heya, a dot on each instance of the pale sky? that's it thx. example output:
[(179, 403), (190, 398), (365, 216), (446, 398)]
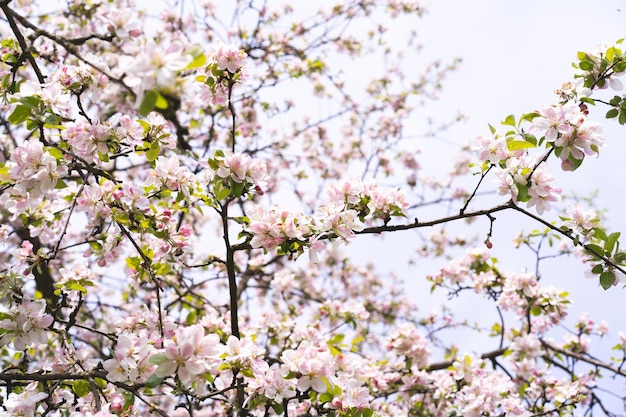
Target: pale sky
[(515, 53)]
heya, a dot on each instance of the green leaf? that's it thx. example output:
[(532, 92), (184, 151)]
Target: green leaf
[(622, 117), (129, 399), (104, 157), (610, 241), (223, 193), (588, 100), (133, 262), (599, 233), (60, 184), (148, 103), (31, 102), (594, 249), (336, 339), (199, 58), (144, 124), (153, 153), (522, 192), (122, 217), (55, 152), (585, 65), (161, 102), (157, 358), (576, 163), (77, 287), (610, 53), (529, 116), (326, 397), (100, 382), (530, 138), (96, 246), (516, 145), (612, 113), (52, 122), (154, 381), (161, 268), (19, 115), (278, 408), (333, 350), (607, 279), (620, 257), (509, 121), (81, 388), (213, 164), (237, 187), (192, 317)]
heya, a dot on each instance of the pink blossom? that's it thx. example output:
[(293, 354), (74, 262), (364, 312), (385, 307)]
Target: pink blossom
[(131, 361), (493, 149), (229, 58), (34, 169), (24, 404), (168, 172), (59, 101), (123, 23), (27, 324), (552, 122), (189, 354), (276, 386), (581, 221), (541, 191), (408, 341), (312, 364)]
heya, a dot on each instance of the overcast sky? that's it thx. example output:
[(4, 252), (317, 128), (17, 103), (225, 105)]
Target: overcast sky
[(515, 54)]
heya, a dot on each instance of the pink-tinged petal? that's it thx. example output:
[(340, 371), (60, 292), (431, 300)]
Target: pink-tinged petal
[(304, 383), (171, 350), (186, 349), (318, 385)]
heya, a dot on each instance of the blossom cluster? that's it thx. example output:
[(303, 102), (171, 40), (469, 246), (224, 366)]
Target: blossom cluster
[(226, 67), (194, 357), (25, 403), (581, 221), (409, 342), (350, 206), (34, 169), (25, 324), (92, 142), (236, 174), (564, 129), (516, 292), (568, 129)]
